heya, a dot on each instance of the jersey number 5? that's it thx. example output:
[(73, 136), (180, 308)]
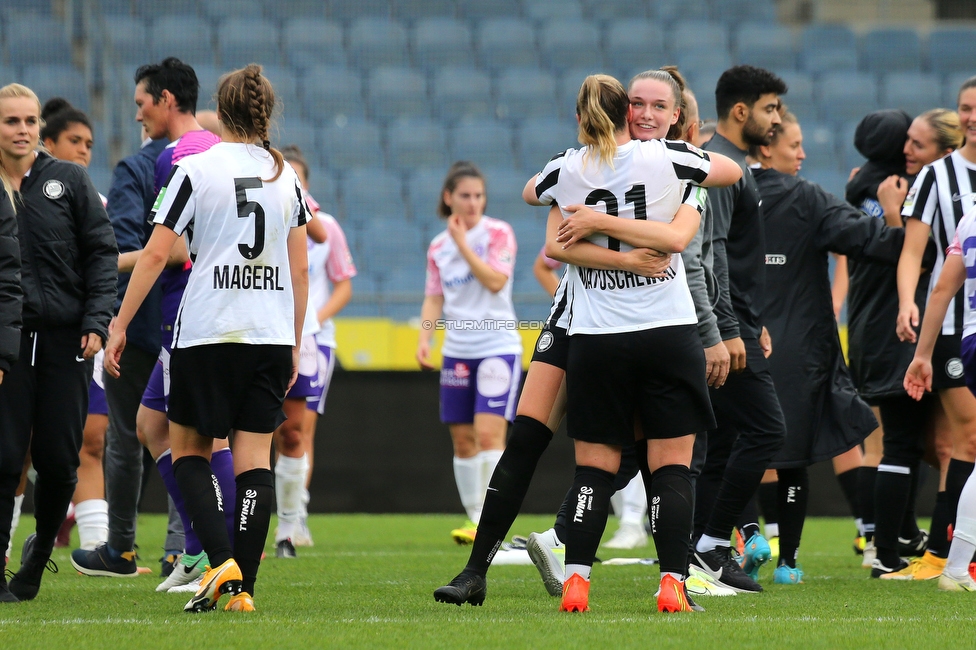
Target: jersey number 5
[(247, 208), (635, 195)]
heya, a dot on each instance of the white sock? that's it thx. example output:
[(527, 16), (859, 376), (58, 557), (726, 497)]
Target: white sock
[(771, 531), (467, 475), (18, 504), (635, 503), (92, 519), (964, 532), (71, 511), (676, 576), (306, 497), (859, 524), (289, 483), (581, 569), (489, 459), (707, 543)]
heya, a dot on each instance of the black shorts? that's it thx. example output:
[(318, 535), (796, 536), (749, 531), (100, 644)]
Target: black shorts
[(552, 347), (947, 367), (229, 386), (656, 375)]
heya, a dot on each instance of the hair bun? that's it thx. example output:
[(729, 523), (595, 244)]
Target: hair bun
[(55, 105)]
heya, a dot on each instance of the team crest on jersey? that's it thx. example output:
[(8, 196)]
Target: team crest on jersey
[(505, 256), (692, 148), (954, 368), (776, 259), (544, 342), (910, 199), (53, 189)]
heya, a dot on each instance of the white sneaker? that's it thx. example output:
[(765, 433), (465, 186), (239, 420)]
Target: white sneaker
[(188, 588), (950, 583), (698, 586), (302, 536), (548, 555), (186, 571), (628, 536), (870, 553)]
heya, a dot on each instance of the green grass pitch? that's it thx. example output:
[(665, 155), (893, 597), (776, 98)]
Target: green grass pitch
[(369, 579)]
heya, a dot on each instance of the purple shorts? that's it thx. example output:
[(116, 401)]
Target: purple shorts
[(470, 386), (308, 370), (316, 402), (96, 393), (968, 354), (156, 396)]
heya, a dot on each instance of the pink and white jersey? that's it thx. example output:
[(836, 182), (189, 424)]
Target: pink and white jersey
[(478, 323), (328, 263), (964, 243)]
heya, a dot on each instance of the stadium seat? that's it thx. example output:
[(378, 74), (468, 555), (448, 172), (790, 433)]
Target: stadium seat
[(850, 156), (544, 11), (765, 46), (828, 48), (831, 180), (568, 87), (703, 82), (347, 10), (891, 50), (49, 81), (372, 194), (423, 194), (704, 63), (952, 49), (216, 11), (156, 8), (186, 36), (396, 91), (668, 11), (411, 10), (442, 41), (486, 143), (690, 35), (950, 92), (539, 139), (847, 96), (323, 188), (615, 9), (530, 235), (377, 41), (525, 92), (297, 131), (505, 187), (416, 143), (283, 10), (401, 246), (248, 40), (331, 91), (313, 41), (125, 39), (101, 177), (820, 146), (355, 143), (632, 44), (36, 40), (287, 103), (506, 42), (479, 9), (462, 92), (732, 12), (208, 75), (800, 94), (915, 92), (566, 43)]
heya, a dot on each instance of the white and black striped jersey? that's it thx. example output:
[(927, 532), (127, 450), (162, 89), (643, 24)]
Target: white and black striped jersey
[(237, 225), (940, 196), (645, 182)]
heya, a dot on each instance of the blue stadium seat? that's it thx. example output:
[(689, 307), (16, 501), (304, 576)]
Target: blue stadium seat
[(539, 139), (800, 94), (186, 36), (37, 40), (283, 10), (915, 92), (462, 92), (530, 235), (820, 146), (505, 195), (156, 8), (568, 87), (9, 74), (323, 187), (248, 40), (355, 143), (347, 10), (736, 11), (208, 75), (632, 44), (313, 41), (219, 10), (847, 96), (100, 147), (504, 42), (544, 11), (57, 81), (567, 43), (125, 39), (411, 10), (952, 49), (828, 48), (423, 193), (287, 103), (891, 50), (703, 82), (831, 180), (304, 134), (479, 9), (416, 143), (766, 46), (615, 9), (401, 247), (377, 41), (691, 35), (668, 11), (101, 177), (442, 41), (705, 63), (372, 194), (486, 143), (395, 91), (331, 91), (525, 92), (850, 156), (950, 92)]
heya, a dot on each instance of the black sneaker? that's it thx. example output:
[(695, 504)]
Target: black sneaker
[(285, 549), (466, 588), (723, 570), (100, 563), (168, 562), (25, 584), (914, 547), (878, 569), (5, 595)]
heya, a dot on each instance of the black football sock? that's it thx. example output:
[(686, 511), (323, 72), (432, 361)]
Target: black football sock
[(738, 486), (749, 519), (794, 489), (52, 496), (507, 488), (891, 490), (956, 477), (587, 516), (559, 525), (866, 477), (768, 496), (909, 523), (670, 510), (255, 494), (939, 535), (646, 478), (205, 506)]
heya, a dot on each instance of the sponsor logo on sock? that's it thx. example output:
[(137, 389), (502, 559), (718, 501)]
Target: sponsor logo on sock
[(655, 513), (791, 494), (584, 501), (248, 504), (220, 495)]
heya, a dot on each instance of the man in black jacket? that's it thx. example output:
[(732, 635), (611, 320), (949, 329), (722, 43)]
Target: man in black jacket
[(11, 295)]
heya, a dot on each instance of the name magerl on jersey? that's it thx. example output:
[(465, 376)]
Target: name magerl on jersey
[(243, 276)]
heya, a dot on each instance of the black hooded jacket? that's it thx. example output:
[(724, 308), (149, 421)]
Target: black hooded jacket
[(11, 295), (803, 223), (68, 252), (878, 360)]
